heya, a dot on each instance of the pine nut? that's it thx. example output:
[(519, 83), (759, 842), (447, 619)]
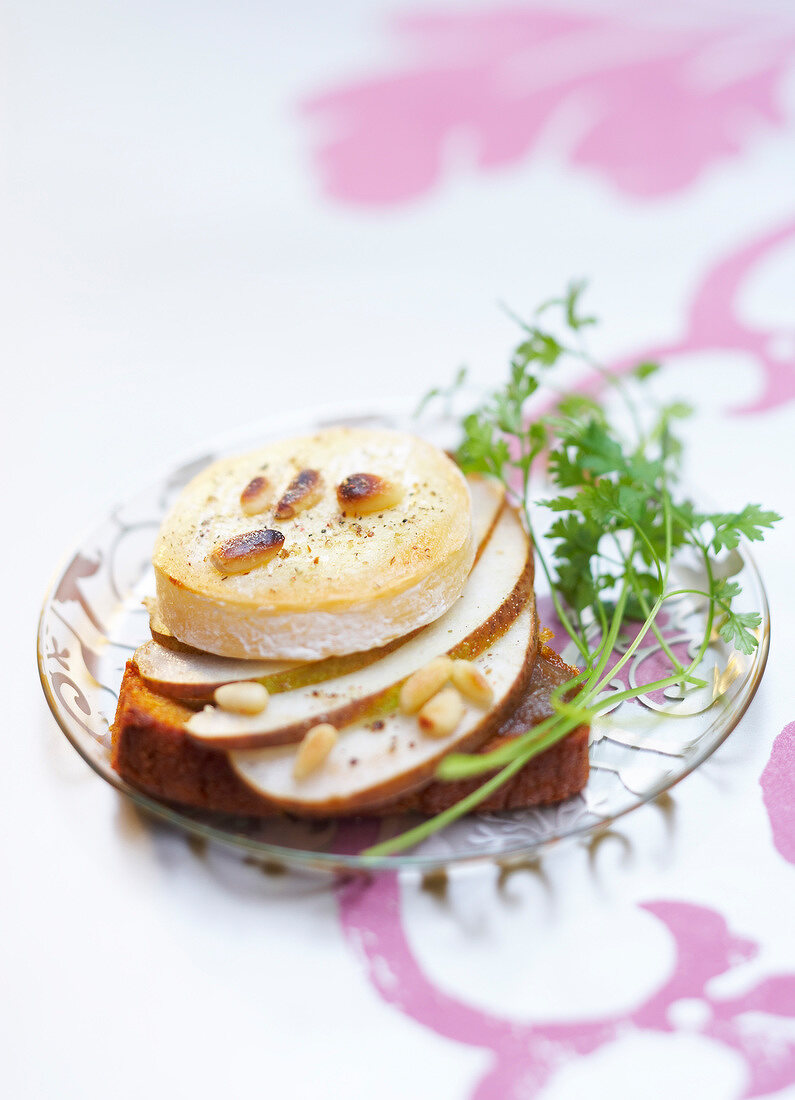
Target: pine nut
[(242, 697), (441, 715), (472, 684), (314, 749), (255, 496), (303, 492), (245, 552), (365, 493), (424, 683)]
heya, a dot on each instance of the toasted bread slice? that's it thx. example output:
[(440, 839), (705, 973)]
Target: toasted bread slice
[(152, 753), (349, 538)]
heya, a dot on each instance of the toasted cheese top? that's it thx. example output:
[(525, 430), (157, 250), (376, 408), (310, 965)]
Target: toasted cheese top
[(337, 552)]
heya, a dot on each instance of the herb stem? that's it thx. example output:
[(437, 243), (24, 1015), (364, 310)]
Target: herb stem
[(609, 485), (559, 609), (446, 817)]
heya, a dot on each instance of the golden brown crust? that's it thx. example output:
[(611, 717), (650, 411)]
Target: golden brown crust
[(366, 556), (383, 558), (152, 753)]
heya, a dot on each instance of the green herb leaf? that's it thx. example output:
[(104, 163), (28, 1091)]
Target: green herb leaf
[(736, 630), (750, 523), (645, 370), (619, 519)]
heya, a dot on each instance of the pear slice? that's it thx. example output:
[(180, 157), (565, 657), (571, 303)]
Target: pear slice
[(160, 632), (193, 676), (182, 672), (488, 498), (499, 586), (368, 767)]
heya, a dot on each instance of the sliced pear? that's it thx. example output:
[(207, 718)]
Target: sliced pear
[(194, 676), (367, 767), (499, 586), (488, 497)]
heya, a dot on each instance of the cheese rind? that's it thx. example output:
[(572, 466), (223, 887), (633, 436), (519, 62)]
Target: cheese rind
[(343, 583)]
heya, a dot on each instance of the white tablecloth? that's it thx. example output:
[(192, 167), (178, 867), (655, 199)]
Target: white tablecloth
[(218, 211)]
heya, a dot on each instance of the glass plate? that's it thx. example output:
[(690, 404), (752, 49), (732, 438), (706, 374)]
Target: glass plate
[(93, 619)]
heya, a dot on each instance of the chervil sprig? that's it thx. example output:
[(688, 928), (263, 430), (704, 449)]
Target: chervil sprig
[(618, 520)]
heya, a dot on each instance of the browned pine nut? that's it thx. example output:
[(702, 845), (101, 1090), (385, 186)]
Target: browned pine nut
[(424, 683), (365, 493), (440, 715), (472, 684), (245, 552), (314, 749), (303, 491), (242, 697), (256, 496)]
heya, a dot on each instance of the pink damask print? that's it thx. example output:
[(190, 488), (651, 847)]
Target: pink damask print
[(651, 664), (525, 1057), (778, 791), (713, 324), (648, 107)]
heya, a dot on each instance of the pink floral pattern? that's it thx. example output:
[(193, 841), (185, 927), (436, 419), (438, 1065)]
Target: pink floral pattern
[(650, 110), (713, 324), (654, 106), (778, 790), (650, 666), (526, 1057)]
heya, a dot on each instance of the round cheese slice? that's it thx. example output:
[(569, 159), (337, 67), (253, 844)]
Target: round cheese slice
[(346, 578)]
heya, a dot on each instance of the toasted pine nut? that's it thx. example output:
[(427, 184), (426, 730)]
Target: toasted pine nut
[(242, 697), (314, 749), (245, 552), (424, 683), (256, 496), (304, 491), (441, 714), (366, 493), (472, 684)]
